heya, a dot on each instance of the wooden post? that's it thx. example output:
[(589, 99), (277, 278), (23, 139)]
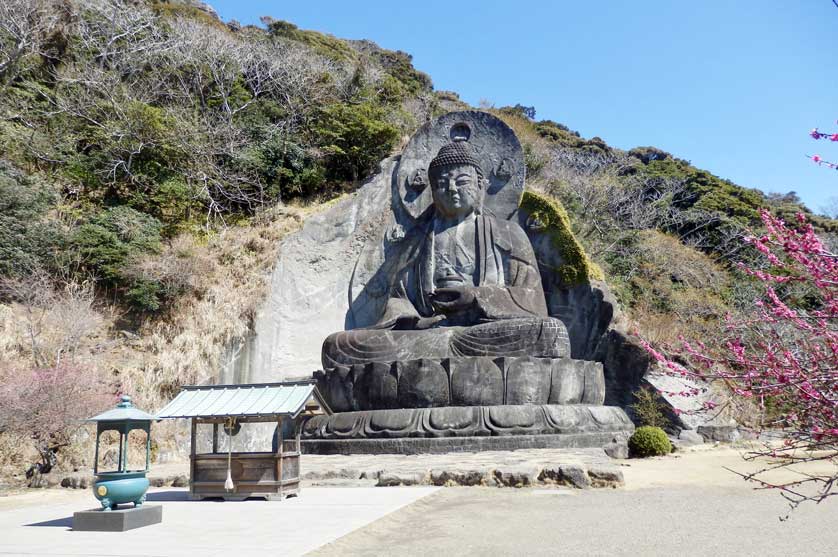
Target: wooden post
[(121, 465), (192, 451), (148, 446), (215, 437), (280, 442), (96, 455)]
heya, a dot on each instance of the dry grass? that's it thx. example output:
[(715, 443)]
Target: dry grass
[(234, 267), (224, 277)]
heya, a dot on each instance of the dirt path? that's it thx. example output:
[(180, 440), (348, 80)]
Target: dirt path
[(708, 466)]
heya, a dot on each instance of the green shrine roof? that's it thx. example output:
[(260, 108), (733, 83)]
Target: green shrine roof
[(259, 399), (124, 412)]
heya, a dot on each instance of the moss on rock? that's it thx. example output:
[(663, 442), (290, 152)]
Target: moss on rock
[(577, 267)]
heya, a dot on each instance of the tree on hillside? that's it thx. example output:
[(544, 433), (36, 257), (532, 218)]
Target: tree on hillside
[(783, 356)]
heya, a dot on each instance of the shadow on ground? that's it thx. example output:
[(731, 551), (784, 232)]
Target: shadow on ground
[(180, 495), (169, 495), (66, 522)]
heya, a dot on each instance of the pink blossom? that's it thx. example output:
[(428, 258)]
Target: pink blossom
[(779, 351)]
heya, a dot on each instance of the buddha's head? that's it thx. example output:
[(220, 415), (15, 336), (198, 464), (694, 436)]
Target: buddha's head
[(456, 180)]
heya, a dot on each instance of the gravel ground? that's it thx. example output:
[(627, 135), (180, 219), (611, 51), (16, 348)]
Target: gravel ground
[(682, 520), (683, 504)]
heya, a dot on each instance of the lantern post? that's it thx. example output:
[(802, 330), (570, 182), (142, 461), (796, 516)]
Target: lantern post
[(121, 485)]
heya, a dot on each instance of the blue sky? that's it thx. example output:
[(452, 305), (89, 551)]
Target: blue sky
[(734, 87)]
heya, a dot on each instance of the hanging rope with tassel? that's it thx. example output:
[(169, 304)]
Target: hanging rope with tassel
[(231, 422)]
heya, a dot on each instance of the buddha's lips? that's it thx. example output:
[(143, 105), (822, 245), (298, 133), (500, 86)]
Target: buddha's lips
[(450, 278)]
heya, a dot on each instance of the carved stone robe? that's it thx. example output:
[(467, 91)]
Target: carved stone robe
[(508, 317), (506, 277)]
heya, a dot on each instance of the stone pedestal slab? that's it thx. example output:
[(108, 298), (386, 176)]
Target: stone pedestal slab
[(443, 445), (120, 520), (465, 428)]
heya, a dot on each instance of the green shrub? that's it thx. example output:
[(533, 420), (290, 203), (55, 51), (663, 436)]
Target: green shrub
[(110, 241), (145, 295), (28, 239), (107, 241), (648, 408), (399, 65), (323, 44), (286, 168), (533, 160), (649, 441), (355, 138), (174, 203)]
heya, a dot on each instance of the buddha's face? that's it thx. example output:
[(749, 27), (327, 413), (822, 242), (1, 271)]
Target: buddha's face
[(456, 190)]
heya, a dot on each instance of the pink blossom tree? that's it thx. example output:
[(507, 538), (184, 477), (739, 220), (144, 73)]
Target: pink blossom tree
[(783, 356), (45, 405)]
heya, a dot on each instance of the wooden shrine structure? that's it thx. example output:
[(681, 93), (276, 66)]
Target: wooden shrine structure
[(236, 476)]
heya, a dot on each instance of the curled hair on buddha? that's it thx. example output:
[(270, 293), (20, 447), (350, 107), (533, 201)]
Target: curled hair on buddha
[(458, 152)]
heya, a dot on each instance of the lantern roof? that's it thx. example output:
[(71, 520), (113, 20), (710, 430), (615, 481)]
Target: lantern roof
[(124, 412)]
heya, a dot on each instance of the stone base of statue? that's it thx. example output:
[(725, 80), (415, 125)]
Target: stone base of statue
[(464, 404), (442, 445), (465, 428), (462, 381)]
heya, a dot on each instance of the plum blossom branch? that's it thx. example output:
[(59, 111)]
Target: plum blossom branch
[(783, 353), (817, 135)]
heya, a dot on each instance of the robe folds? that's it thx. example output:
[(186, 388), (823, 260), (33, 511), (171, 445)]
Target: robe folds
[(508, 284)]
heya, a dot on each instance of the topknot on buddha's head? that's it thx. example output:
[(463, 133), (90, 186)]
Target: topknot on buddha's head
[(458, 152)]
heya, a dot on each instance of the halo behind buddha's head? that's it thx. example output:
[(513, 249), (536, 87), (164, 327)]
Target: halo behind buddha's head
[(471, 137)]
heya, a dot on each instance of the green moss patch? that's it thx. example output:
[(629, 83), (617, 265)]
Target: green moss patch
[(577, 267)]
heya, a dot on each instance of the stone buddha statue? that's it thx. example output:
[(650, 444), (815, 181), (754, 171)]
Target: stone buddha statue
[(464, 283), (456, 349)]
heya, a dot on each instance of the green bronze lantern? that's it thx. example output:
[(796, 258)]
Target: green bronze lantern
[(121, 485)]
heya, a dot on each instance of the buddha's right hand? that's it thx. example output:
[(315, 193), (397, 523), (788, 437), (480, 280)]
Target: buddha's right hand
[(417, 323), (428, 322)]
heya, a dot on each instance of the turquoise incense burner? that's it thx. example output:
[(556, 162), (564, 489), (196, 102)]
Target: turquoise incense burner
[(122, 485)]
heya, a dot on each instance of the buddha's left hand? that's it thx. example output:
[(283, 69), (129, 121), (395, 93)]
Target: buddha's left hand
[(453, 298)]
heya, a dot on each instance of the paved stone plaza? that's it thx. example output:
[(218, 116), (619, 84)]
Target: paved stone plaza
[(40, 523), (686, 503)]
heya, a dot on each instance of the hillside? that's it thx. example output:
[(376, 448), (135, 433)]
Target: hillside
[(152, 157)]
